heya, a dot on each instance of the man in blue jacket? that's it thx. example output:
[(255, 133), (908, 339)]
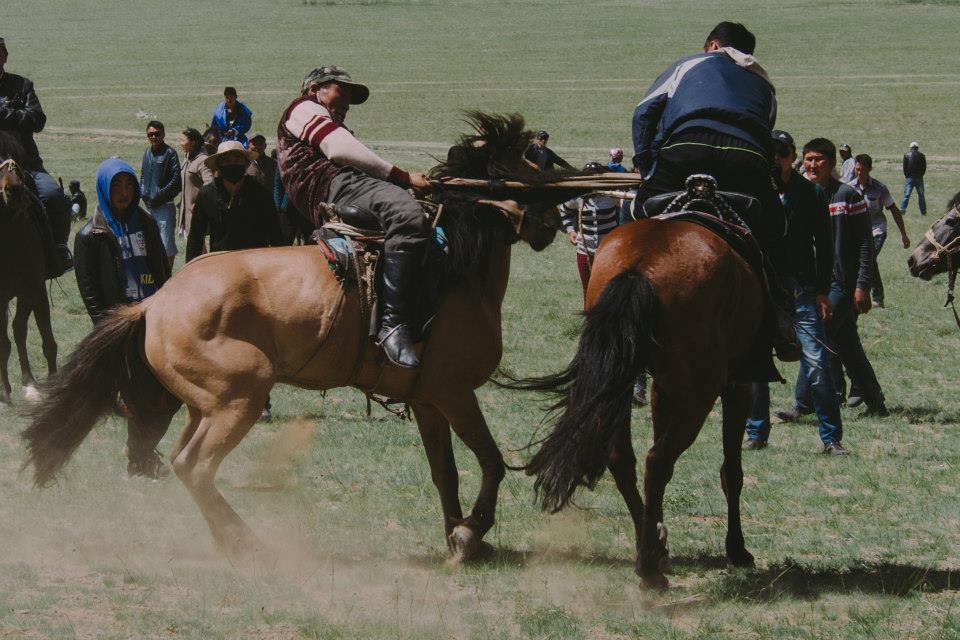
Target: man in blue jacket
[(232, 118), (712, 113)]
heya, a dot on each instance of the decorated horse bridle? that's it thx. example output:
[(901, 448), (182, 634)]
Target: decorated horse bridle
[(948, 251)]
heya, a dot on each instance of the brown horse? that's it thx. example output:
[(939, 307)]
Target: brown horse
[(671, 298), (22, 271), (229, 326)]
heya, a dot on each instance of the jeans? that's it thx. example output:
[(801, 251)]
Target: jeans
[(815, 384), (166, 217), (845, 340), (877, 290), (909, 184)]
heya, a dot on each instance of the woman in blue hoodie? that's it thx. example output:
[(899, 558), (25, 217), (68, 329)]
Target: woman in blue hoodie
[(119, 255), (120, 259)]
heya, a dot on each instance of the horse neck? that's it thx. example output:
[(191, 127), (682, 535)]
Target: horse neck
[(498, 265)]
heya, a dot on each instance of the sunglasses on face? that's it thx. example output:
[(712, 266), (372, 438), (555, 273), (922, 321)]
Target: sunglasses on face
[(154, 134)]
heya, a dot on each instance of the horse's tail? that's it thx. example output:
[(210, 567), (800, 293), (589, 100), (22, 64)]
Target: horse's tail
[(81, 392), (595, 389)]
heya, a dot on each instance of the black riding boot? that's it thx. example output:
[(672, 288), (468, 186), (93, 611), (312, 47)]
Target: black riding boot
[(396, 329)]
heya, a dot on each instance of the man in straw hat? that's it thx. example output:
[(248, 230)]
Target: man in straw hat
[(235, 210), (320, 161)]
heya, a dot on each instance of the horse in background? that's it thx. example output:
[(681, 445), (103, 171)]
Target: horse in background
[(280, 315), (937, 252), (673, 299), (23, 271)]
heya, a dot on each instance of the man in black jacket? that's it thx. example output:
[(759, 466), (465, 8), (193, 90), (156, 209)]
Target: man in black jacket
[(120, 259), (159, 185), (22, 115), (234, 210), (914, 168), (539, 155)]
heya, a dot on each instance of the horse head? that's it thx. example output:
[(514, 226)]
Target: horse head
[(938, 250), (12, 185), (12, 179), (494, 151)]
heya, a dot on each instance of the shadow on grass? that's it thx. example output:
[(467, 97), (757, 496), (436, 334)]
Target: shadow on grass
[(791, 579), (926, 414), (786, 579), (505, 557)]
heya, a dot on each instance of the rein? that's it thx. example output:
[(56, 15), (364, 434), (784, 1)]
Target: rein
[(948, 251)]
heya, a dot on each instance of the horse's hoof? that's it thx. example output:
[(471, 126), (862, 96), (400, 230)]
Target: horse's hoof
[(742, 558), (31, 394), (464, 544)]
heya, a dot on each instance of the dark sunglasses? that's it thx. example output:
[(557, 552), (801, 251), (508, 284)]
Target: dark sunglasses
[(154, 134)]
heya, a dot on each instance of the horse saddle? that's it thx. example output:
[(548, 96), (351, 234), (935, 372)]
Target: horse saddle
[(721, 212), (351, 241)]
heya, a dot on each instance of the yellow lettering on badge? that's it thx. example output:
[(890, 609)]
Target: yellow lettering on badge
[(146, 278)]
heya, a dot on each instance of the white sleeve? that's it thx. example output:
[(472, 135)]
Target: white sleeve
[(311, 122)]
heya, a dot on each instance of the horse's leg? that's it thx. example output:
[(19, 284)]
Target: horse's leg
[(196, 465), (678, 416), (435, 433), (468, 422), (41, 313), (623, 468), (5, 348), (20, 318), (736, 407)]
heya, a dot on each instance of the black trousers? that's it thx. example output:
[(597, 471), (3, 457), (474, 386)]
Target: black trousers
[(736, 165)]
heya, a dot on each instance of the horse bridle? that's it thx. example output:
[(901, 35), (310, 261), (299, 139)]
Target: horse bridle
[(947, 251)]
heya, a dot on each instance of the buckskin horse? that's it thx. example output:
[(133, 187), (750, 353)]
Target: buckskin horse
[(229, 326), (22, 272), (674, 299)]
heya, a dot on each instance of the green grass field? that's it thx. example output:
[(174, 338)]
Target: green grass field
[(862, 547)]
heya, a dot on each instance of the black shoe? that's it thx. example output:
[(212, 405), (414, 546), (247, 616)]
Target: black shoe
[(790, 415), (834, 449), (854, 401), (876, 411), (396, 336), (754, 445)]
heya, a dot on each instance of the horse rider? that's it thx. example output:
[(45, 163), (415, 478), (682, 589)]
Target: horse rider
[(713, 112), (22, 115), (320, 161)]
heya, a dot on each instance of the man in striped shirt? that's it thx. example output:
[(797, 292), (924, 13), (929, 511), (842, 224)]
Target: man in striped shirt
[(320, 161), (587, 221), (853, 259)]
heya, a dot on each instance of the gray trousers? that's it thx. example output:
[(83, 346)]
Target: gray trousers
[(404, 223)]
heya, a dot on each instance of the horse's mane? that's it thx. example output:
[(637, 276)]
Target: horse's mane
[(494, 150), (954, 201), (10, 148)]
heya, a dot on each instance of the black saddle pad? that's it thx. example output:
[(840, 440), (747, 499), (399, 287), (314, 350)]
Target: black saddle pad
[(747, 206)]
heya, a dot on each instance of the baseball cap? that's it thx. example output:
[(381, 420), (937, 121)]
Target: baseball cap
[(542, 135), (914, 145), (783, 136), (844, 147), (333, 73)]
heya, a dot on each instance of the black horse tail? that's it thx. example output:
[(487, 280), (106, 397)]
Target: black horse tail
[(595, 389), (81, 392)]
